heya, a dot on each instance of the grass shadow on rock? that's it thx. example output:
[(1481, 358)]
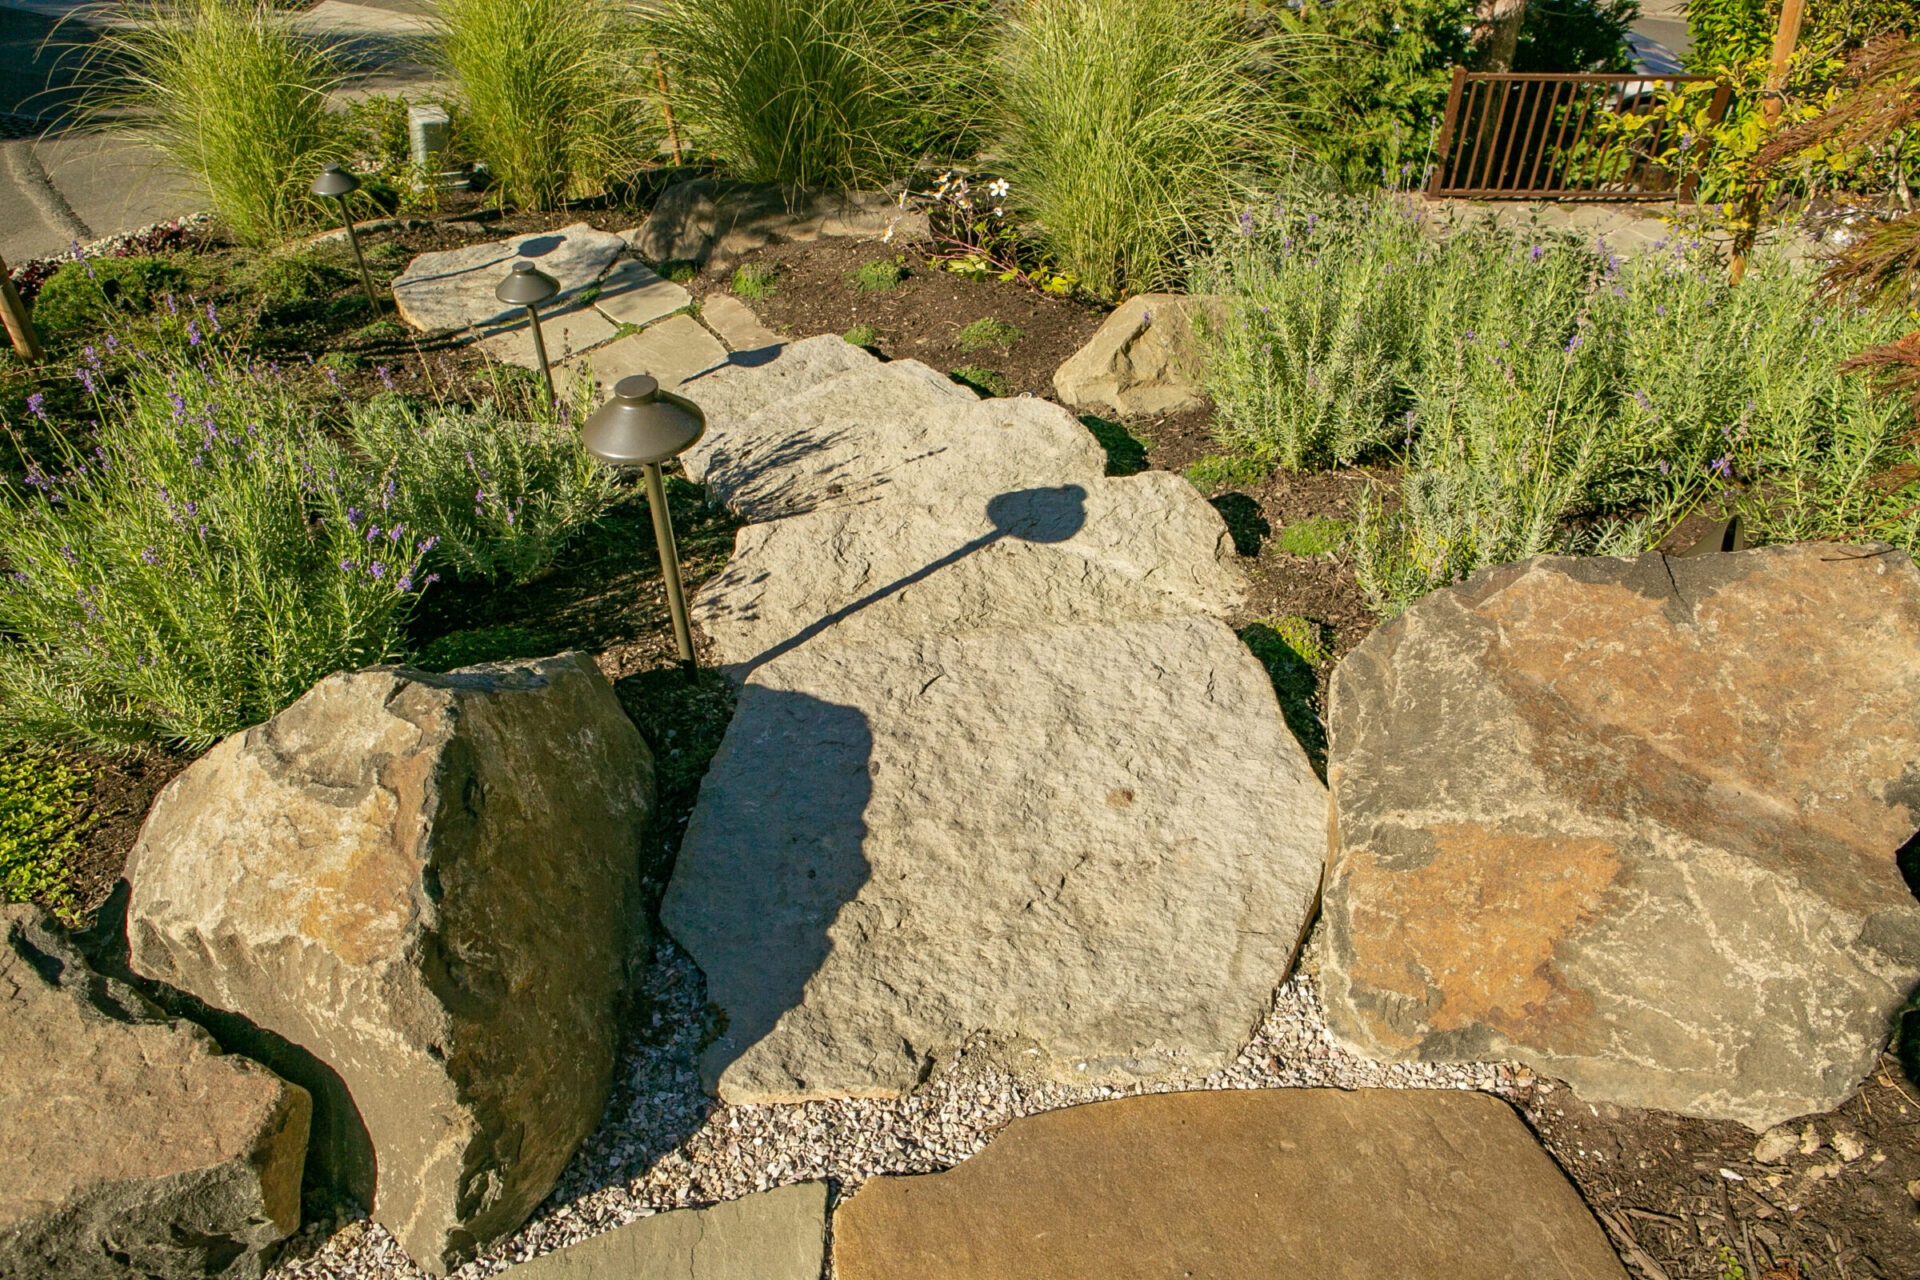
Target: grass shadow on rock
[(1290, 649)]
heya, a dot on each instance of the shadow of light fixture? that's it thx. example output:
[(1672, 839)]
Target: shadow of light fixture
[(642, 427)]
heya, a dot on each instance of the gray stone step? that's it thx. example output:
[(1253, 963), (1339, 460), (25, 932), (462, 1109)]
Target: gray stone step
[(1097, 843)]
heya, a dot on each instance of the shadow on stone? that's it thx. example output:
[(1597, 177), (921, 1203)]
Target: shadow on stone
[(768, 902), (540, 246), (1047, 515), (1248, 528), (1126, 453), (1297, 688), (340, 1163)]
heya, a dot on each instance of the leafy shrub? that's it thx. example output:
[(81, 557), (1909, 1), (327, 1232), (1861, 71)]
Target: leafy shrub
[(197, 570), (986, 382), (230, 93), (1576, 36), (987, 332), (40, 825), (503, 487), (753, 282), (1378, 81), (862, 335), (217, 547), (88, 294), (1129, 122), (1220, 471), (814, 93), (1318, 536), (550, 93), (1547, 396), (879, 276), (483, 644)]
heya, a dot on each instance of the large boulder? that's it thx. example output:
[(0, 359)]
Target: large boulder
[(1635, 822), (1095, 844), (1146, 357), (130, 1146), (714, 223), (1309, 1184), (427, 882)]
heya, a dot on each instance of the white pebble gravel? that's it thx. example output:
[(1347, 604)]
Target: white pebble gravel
[(663, 1144)]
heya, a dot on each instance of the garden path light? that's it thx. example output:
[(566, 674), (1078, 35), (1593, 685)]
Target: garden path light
[(335, 183), (528, 286), (643, 426)]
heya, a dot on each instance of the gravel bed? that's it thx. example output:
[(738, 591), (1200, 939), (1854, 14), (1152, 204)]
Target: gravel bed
[(663, 1144)]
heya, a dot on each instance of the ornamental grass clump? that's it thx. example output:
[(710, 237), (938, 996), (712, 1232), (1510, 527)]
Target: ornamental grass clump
[(1127, 124), (230, 93), (814, 93), (554, 95)]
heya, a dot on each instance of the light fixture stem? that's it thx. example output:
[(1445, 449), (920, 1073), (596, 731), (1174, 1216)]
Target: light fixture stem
[(540, 352), (670, 567), (353, 238)]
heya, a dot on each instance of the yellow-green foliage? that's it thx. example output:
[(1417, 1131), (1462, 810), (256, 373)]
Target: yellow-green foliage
[(40, 825)]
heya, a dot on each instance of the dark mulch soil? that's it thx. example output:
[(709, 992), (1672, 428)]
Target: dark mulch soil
[(1685, 1198), (121, 792), (921, 317)]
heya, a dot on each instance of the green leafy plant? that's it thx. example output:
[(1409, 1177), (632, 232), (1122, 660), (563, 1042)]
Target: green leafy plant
[(484, 644), (1128, 123), (882, 275), (550, 93), (503, 485), (754, 282), (41, 799), (1316, 536), (987, 382), (231, 94), (814, 93), (1225, 471), (987, 332), (862, 335), (90, 294)]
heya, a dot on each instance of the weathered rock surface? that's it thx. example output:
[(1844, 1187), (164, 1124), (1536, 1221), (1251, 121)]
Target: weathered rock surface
[(1117, 550), (1309, 1184), (454, 289), (1097, 842), (1146, 357), (736, 324), (773, 1235), (1635, 822), (714, 223), (899, 432), (730, 396), (632, 293), (566, 332), (427, 882), (129, 1144)]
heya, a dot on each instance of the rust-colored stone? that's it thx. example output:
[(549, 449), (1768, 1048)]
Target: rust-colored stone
[(1306, 1184), (1635, 822)]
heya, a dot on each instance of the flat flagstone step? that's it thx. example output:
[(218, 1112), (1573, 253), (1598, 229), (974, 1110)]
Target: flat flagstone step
[(1305, 1184), (1097, 844), (899, 432), (674, 351), (772, 1235), (1109, 550), (453, 289)]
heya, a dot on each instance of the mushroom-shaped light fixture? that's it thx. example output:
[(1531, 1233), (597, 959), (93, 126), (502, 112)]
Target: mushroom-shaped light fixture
[(643, 426), (528, 286), (335, 183)]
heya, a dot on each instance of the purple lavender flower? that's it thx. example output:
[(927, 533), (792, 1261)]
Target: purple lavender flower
[(1723, 466), (1246, 222), (1664, 468), (86, 379), (213, 321), (376, 570), (405, 583), (173, 308), (386, 377), (432, 578), (354, 516), (1660, 311), (1643, 400), (37, 405), (1576, 341), (346, 565), (1536, 253), (193, 333), (150, 556), (427, 544)]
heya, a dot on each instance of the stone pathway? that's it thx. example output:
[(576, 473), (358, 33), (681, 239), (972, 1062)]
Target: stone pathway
[(614, 315)]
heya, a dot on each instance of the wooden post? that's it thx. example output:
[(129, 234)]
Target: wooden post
[(1785, 37), (666, 105), (19, 327)]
